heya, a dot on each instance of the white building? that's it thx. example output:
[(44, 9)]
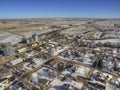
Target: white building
[(22, 50), (35, 37), (16, 61)]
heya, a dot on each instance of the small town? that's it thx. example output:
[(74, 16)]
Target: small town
[(57, 60), (59, 44)]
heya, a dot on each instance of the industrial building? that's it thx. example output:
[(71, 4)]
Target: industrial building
[(35, 37)]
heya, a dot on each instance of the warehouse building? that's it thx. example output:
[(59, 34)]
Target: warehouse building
[(16, 61)]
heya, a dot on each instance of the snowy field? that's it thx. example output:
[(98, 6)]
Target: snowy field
[(108, 40), (9, 37), (56, 84)]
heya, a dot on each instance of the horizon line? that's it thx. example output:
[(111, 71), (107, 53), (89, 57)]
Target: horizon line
[(61, 18)]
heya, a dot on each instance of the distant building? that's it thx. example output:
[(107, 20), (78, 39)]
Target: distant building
[(28, 41), (35, 37), (8, 49), (31, 39)]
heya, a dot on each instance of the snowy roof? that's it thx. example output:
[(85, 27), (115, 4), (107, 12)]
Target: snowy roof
[(81, 71)]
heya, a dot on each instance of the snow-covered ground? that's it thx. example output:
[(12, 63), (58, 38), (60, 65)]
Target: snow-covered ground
[(13, 39), (57, 82), (38, 61), (27, 66), (112, 35), (81, 71), (60, 49), (9, 37), (42, 73), (108, 40)]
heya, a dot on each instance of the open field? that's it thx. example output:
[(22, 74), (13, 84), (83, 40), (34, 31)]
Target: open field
[(94, 28)]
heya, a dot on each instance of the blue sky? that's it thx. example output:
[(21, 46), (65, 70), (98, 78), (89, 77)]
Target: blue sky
[(59, 8)]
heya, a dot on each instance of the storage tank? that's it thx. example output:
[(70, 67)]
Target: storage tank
[(31, 39), (28, 41), (35, 37), (8, 49)]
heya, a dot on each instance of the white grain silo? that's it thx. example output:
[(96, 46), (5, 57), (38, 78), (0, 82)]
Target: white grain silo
[(35, 37), (8, 49)]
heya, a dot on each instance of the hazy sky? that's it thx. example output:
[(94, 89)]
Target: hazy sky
[(59, 8)]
